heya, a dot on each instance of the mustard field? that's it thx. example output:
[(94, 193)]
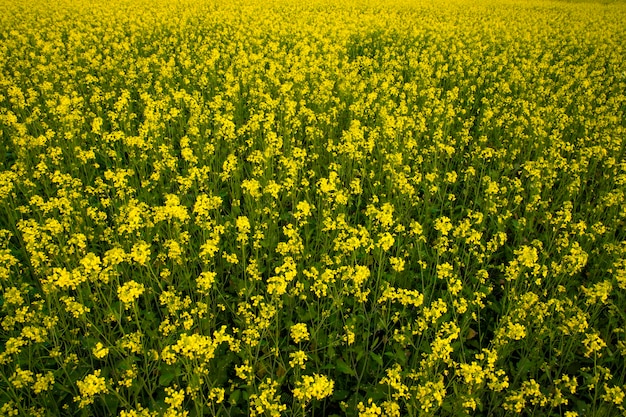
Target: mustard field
[(312, 208)]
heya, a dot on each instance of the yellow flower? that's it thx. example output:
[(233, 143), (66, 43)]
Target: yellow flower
[(114, 256), (21, 378), (600, 291), (244, 371), (303, 210), (89, 387), (472, 373), (443, 225), (430, 395), (12, 295), (140, 252), (204, 204), (371, 410), (171, 210), (470, 403), (349, 336), (527, 256), (397, 264), (217, 395), (593, 344), (391, 409), (445, 270), (316, 386), (243, 228), (128, 376), (385, 241), (129, 292), (131, 342), (100, 351), (43, 382), (74, 307), (299, 332), (614, 394), (205, 281), (297, 359), (252, 187), (451, 177), (64, 279), (394, 380), (267, 401), (174, 397), (515, 331), (231, 258)]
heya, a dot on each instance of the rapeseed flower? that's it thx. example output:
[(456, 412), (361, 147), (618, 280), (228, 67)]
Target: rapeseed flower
[(129, 292), (313, 387), (297, 359), (191, 192), (90, 387), (299, 332)]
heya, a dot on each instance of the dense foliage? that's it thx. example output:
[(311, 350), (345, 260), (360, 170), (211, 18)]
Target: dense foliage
[(312, 208)]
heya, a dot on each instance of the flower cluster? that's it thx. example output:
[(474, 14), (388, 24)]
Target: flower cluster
[(276, 208)]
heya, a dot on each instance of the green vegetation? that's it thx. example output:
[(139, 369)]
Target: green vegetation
[(403, 208)]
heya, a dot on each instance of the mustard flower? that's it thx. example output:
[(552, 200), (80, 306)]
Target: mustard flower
[(100, 351), (129, 292), (310, 387), (89, 387), (299, 332), (297, 359)]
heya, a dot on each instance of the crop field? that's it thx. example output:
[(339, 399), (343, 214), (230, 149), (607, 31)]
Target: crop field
[(312, 208)]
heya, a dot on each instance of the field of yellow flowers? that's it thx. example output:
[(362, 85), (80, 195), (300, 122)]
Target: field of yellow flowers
[(287, 208)]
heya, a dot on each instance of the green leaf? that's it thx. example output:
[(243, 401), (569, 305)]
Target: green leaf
[(376, 392), (376, 358), (524, 366), (168, 374), (343, 367), (330, 353), (360, 352), (340, 395), (234, 397), (112, 403)]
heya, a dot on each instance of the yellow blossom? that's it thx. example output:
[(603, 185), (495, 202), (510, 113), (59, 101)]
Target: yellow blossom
[(129, 292), (315, 386), (89, 387), (299, 332)]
